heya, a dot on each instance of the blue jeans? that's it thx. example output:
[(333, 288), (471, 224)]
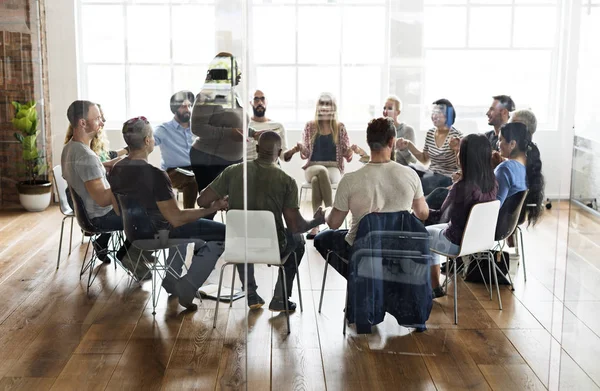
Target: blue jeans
[(431, 181), (439, 242), (110, 221), (334, 240)]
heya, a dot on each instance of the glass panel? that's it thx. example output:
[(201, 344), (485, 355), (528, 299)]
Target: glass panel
[(148, 34), (365, 45), (437, 30), (312, 81), (189, 78), (319, 35), (101, 44), (190, 47), (106, 85), (360, 95), (278, 84), (274, 35), (488, 27), (543, 35), (142, 93)]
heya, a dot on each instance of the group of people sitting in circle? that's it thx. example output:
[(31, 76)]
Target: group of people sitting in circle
[(202, 150)]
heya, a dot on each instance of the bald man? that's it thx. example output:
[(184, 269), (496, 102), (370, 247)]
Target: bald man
[(269, 188), (259, 124)]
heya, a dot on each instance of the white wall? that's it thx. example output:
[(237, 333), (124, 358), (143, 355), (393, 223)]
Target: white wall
[(63, 83)]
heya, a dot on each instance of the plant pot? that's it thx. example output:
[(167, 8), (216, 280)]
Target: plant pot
[(35, 197)]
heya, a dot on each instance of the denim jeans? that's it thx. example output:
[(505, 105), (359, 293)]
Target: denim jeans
[(431, 181), (334, 240), (440, 242), (110, 221)]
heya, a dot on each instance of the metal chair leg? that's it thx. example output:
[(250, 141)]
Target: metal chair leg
[(62, 228), (232, 282), (218, 296), (324, 278), (522, 252), (455, 295), (490, 265), (493, 265), (71, 236), (345, 309), (285, 298), (298, 282)]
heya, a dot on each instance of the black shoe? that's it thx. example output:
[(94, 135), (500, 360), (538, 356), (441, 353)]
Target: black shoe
[(438, 292), (278, 305), (169, 285), (186, 294), (255, 301), (103, 257)]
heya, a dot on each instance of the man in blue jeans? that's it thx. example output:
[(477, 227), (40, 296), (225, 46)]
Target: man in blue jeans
[(151, 188)]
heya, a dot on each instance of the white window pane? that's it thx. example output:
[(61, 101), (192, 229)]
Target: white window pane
[(587, 117), (318, 1), (99, 43), (111, 95), (312, 81), (361, 94), (529, 32), (525, 75), (279, 86), (445, 1), (540, 1), (274, 1), (274, 35), (318, 35), (489, 27), (189, 78), (491, 2), (149, 92), (191, 46), (364, 45), (444, 27), (148, 33)]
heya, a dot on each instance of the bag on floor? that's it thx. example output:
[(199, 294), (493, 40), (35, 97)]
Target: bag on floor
[(472, 273)]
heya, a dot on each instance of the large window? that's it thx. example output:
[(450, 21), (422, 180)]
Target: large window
[(135, 53)]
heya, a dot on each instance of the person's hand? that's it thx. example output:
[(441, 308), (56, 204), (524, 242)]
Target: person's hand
[(457, 176), (496, 159), (257, 134), (220, 204), (355, 148), (454, 143), (402, 143), (320, 215), (298, 147)]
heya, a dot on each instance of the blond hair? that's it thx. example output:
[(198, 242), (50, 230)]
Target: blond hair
[(99, 143), (397, 102), (333, 123)]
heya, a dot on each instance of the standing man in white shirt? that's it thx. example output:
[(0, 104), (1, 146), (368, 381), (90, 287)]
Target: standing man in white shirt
[(175, 140), (259, 124)]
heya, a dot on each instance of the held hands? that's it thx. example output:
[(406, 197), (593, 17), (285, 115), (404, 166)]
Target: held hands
[(454, 143), (457, 176), (220, 204), (402, 144), (320, 215)]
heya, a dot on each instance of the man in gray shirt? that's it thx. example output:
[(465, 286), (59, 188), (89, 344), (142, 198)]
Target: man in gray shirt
[(86, 175)]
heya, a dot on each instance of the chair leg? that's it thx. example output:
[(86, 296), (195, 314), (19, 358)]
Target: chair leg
[(218, 296), (522, 252), (84, 257), (62, 228), (512, 287), (71, 236), (455, 295), (324, 278), (345, 309), (232, 282), (490, 266), (298, 282), (285, 299), (493, 265)]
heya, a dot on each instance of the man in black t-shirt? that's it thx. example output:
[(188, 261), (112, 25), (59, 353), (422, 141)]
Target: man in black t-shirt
[(498, 114), (152, 189)]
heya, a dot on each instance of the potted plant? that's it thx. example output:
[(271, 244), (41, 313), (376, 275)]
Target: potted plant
[(34, 192)]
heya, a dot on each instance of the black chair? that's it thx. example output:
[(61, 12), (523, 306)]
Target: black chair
[(88, 228), (140, 231)]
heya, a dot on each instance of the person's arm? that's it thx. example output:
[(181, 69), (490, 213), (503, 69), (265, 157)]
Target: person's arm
[(420, 208), (205, 120), (344, 141), (409, 134), (178, 217), (287, 155), (297, 224), (115, 204), (283, 135), (101, 195), (207, 197), (110, 163), (422, 156), (503, 178), (335, 218), (304, 146)]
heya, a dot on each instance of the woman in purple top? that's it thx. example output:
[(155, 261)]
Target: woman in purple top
[(478, 184)]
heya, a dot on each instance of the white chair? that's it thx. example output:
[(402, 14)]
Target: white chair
[(478, 237), (251, 236), (60, 186)]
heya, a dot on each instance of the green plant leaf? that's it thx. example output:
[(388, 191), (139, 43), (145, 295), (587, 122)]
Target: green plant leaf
[(19, 137), (17, 105)]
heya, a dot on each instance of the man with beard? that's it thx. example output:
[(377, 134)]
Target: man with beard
[(498, 114), (175, 140), (260, 124)]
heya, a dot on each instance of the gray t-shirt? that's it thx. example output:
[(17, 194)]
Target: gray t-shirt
[(407, 132), (79, 165)]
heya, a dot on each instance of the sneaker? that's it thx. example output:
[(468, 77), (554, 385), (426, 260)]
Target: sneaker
[(186, 294), (278, 305), (255, 301), (438, 292)]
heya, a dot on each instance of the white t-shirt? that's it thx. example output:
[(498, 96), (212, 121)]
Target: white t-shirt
[(259, 126), (377, 187)]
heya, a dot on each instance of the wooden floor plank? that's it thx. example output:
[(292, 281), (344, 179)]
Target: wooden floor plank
[(26, 383), (87, 372), (511, 377)]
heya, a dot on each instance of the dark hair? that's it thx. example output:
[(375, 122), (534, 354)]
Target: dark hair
[(379, 133), (475, 162), (450, 111), (506, 101), (135, 132), (178, 98), (78, 110), (517, 132)]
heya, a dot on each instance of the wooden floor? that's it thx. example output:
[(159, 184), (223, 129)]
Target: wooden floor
[(54, 336)]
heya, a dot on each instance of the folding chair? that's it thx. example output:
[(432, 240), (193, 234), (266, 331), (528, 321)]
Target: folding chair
[(60, 186)]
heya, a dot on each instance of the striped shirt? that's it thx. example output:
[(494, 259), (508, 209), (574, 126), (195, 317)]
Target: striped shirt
[(443, 160)]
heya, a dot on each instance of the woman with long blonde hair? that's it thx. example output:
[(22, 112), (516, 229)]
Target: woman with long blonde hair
[(324, 145)]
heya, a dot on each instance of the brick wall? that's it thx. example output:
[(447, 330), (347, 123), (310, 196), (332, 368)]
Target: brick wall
[(22, 78)]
